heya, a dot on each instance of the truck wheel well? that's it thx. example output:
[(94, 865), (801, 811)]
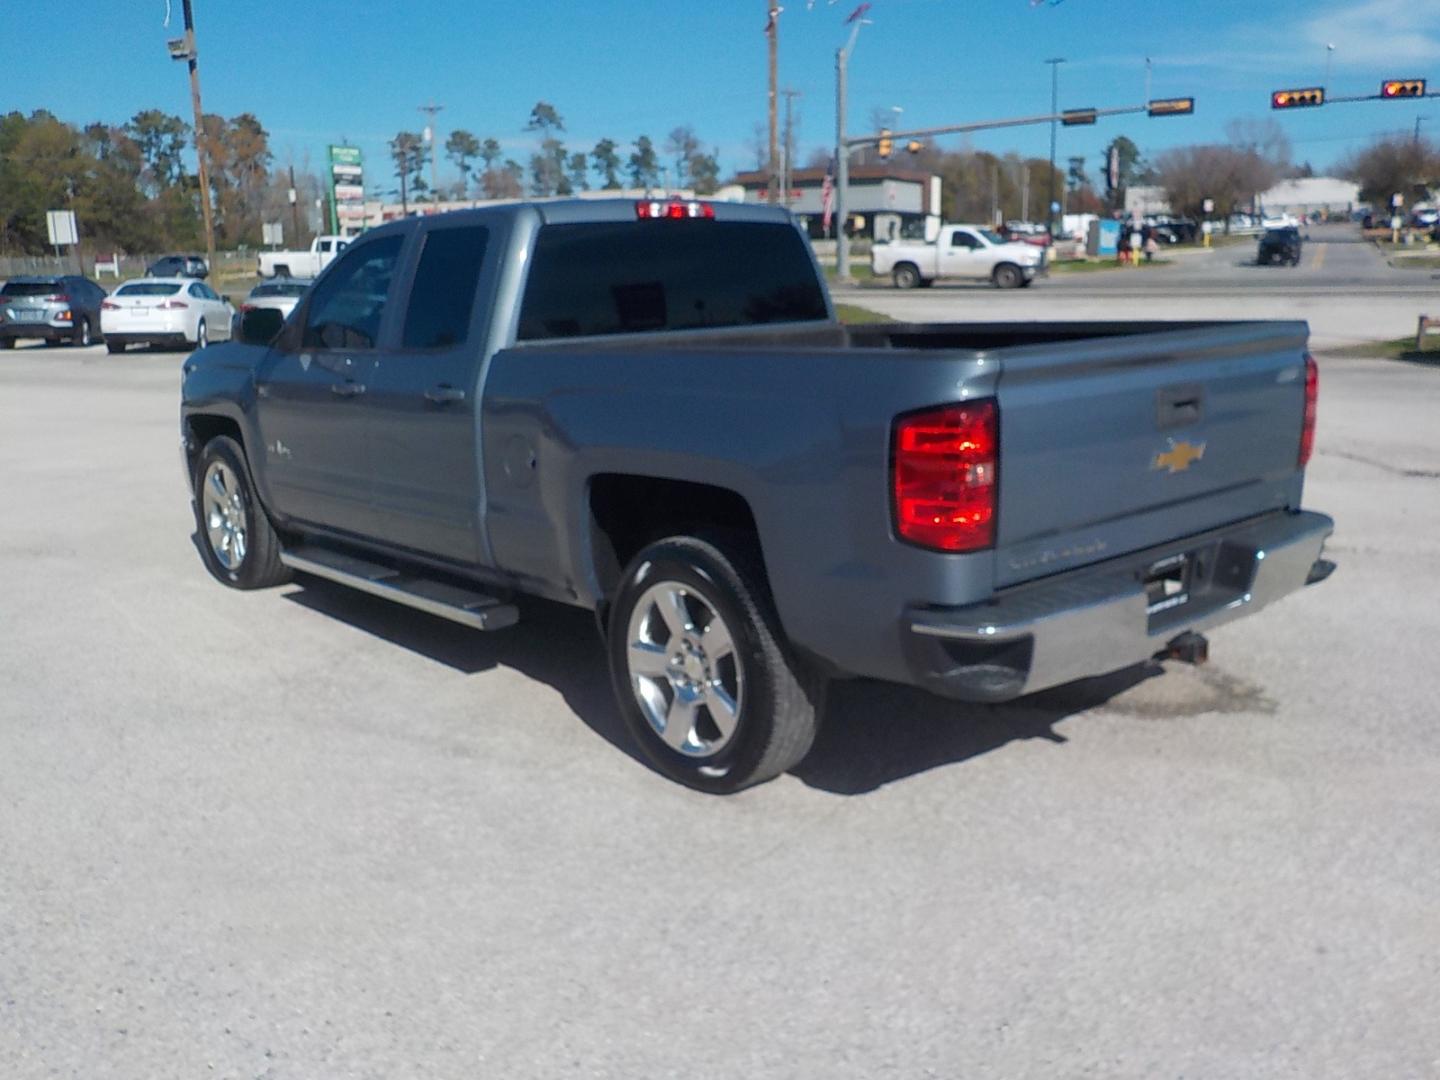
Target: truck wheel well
[(629, 512), (201, 429)]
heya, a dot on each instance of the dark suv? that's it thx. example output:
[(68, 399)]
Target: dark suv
[(55, 309), (1279, 245), (178, 266)]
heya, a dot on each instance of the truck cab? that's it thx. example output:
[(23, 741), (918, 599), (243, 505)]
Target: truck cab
[(959, 252)]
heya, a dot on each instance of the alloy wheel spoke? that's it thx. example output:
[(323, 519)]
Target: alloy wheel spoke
[(671, 605), (679, 720), (716, 641), (723, 708), (648, 660)]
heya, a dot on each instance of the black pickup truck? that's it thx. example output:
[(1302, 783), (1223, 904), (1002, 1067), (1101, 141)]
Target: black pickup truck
[(649, 410)]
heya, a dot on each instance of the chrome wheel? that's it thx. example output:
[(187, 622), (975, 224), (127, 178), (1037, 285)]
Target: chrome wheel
[(225, 518), (683, 669), (202, 337)]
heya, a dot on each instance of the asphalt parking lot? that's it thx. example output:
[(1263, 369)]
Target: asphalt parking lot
[(302, 833)]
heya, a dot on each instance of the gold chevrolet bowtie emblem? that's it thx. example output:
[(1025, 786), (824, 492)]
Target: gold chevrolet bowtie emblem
[(1179, 457)]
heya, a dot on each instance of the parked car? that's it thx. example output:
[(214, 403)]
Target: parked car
[(1425, 217), (1279, 246), (648, 410), (186, 266), (54, 309), (280, 294), (308, 264), (960, 251), (178, 312)]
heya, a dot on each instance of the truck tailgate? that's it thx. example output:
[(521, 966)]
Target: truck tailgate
[(1119, 444)]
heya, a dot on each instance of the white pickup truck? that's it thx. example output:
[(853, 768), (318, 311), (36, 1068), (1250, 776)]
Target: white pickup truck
[(960, 251), (301, 264)]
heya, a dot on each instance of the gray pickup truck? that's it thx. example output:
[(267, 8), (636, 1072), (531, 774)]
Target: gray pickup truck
[(649, 410)]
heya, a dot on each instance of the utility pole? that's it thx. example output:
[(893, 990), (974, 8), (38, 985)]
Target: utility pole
[(191, 54), (772, 33), (787, 156), (430, 111), (294, 208), (1054, 63)]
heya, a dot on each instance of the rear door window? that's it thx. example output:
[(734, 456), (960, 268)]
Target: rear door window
[(348, 305), (442, 297), (628, 277)]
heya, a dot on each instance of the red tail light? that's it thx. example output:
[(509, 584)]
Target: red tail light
[(674, 210), (107, 305), (172, 305), (943, 464), (1312, 397), (57, 298), (246, 307)]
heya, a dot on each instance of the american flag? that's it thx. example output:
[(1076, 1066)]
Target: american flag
[(858, 13), (827, 197)]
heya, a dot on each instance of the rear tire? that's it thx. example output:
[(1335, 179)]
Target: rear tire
[(82, 334), (906, 276), (7, 343), (201, 337), (114, 346), (237, 542), (707, 685)]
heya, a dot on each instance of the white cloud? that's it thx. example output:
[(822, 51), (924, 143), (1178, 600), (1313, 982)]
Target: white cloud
[(1384, 35)]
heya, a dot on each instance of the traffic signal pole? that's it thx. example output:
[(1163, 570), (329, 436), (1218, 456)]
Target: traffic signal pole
[(845, 143)]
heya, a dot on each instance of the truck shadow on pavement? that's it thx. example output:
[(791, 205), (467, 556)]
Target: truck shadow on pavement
[(872, 733)]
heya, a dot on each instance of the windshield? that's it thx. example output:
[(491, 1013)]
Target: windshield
[(148, 288), (30, 288)]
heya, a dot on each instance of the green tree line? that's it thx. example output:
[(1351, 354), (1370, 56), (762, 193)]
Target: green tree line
[(129, 184), (554, 168)]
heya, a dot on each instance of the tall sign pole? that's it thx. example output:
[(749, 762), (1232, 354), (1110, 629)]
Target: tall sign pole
[(191, 55), (842, 147), (434, 137)]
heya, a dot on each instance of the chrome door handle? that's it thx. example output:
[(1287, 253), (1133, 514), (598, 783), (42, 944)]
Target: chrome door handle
[(347, 389), (443, 394)]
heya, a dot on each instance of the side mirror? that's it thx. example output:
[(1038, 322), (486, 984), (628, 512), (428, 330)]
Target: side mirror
[(260, 326)]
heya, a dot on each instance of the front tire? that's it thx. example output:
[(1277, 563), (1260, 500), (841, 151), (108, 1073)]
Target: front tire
[(1008, 276), (906, 276), (237, 542), (707, 685), (114, 346), (82, 337)]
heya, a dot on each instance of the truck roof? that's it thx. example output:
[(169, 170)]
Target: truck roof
[(583, 211)]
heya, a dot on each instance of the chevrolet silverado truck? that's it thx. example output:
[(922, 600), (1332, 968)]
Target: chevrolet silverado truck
[(649, 410), (959, 252)]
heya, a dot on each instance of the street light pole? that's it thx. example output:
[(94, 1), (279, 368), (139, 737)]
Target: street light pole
[(842, 155), (1054, 63), (772, 32)]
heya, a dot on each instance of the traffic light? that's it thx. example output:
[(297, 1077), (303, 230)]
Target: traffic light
[(1076, 117), (914, 146), (886, 146), (1307, 98), (1175, 106), (1403, 88)]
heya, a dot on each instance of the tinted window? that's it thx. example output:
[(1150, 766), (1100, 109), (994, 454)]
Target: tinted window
[(964, 240), (148, 288), (30, 288), (346, 309), (444, 291), (623, 277)]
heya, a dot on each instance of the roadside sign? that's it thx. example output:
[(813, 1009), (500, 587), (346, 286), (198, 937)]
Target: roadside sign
[(272, 232), (60, 224), (1397, 200), (1208, 206)]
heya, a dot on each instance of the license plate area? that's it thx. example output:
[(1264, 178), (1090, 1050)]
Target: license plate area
[(1168, 583)]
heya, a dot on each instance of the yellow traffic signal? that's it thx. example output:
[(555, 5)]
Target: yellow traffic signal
[(915, 146), (886, 145), (1179, 106), (1298, 99), (1403, 88)]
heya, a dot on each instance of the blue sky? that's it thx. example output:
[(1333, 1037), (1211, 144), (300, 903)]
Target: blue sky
[(316, 70)]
